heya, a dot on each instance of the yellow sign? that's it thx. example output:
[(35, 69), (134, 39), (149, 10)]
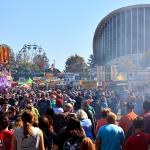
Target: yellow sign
[(88, 84)]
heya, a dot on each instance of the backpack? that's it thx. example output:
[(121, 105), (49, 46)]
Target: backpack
[(28, 143), (72, 143)]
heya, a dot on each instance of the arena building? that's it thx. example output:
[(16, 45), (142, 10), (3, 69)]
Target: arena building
[(123, 33)]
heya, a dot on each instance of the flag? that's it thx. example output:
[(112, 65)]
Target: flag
[(5, 55)]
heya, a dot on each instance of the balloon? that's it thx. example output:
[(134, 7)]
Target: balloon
[(4, 84)]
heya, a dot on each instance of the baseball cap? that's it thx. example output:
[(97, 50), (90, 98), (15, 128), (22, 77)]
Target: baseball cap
[(59, 101)]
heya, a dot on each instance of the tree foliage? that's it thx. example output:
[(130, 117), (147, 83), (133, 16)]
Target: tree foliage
[(91, 61), (75, 64), (12, 59), (91, 66), (28, 67), (41, 61)]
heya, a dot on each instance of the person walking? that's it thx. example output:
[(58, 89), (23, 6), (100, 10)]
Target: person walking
[(103, 120), (46, 125), (126, 121), (110, 136), (5, 134), (140, 140), (85, 122), (28, 137), (146, 116)]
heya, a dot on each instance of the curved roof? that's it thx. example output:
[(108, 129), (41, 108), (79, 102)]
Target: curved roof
[(117, 11), (108, 17)]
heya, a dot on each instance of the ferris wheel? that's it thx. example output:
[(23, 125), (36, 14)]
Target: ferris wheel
[(29, 52)]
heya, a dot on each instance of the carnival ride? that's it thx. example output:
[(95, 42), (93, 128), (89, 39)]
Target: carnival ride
[(34, 54)]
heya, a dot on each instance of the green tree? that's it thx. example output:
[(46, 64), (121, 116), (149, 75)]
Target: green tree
[(24, 67), (75, 64), (35, 67), (28, 67), (91, 61), (12, 60), (91, 67)]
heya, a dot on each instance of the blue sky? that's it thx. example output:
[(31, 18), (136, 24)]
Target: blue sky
[(62, 27)]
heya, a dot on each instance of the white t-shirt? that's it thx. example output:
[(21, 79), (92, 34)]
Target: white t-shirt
[(30, 143), (58, 110)]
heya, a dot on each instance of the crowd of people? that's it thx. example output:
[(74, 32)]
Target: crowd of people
[(70, 119)]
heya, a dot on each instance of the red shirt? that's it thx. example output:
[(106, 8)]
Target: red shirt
[(5, 139), (139, 141)]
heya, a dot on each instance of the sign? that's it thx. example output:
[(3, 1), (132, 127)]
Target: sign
[(69, 77), (22, 79), (88, 84), (36, 78)]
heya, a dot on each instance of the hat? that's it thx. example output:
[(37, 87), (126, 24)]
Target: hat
[(59, 101)]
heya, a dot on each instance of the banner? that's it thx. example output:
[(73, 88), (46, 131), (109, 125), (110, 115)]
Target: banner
[(4, 55), (88, 84), (1, 58)]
